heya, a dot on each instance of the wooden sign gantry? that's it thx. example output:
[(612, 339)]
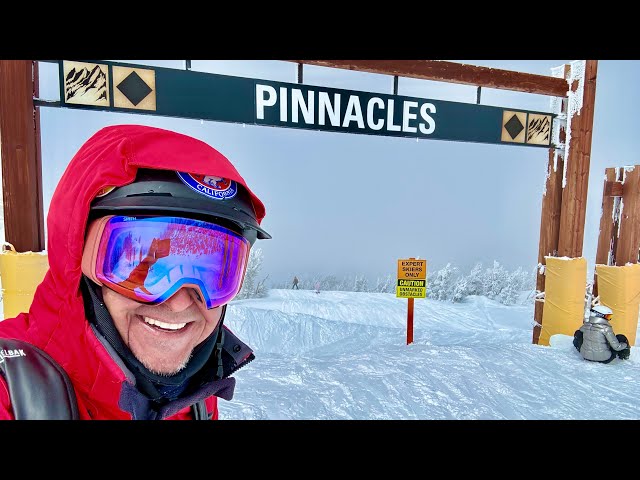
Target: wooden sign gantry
[(564, 200)]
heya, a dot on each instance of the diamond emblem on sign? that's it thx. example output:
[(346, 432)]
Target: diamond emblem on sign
[(134, 88), (514, 126)]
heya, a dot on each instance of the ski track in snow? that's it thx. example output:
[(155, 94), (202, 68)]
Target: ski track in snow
[(343, 355)]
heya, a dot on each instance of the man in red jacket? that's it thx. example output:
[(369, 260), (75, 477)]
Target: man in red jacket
[(149, 234)]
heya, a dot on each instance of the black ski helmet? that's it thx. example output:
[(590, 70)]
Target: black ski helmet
[(166, 192)]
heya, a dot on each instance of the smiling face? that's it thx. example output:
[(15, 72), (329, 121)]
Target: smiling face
[(162, 337)]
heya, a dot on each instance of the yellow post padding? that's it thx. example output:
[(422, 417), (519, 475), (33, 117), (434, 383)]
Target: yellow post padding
[(564, 296), (20, 274), (619, 289)]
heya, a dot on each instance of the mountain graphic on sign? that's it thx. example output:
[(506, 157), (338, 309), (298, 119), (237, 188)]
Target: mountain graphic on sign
[(90, 85)]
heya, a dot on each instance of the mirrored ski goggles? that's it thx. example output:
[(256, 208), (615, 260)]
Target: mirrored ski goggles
[(148, 259)]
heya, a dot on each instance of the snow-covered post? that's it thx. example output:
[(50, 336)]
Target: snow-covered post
[(562, 229), (629, 233), (551, 197), (609, 221), (610, 213), (582, 96), (619, 237)]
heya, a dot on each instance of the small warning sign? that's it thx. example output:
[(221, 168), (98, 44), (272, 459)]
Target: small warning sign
[(411, 292), (411, 268), (412, 278), (411, 283)]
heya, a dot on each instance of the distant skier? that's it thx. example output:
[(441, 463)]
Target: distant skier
[(595, 339), (317, 287), (295, 283)]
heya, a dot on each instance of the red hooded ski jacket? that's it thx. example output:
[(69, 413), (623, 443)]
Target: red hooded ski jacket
[(56, 320)]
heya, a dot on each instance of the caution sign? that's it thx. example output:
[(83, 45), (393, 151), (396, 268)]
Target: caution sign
[(412, 283), (412, 269), (412, 278), (134, 88), (411, 288), (409, 291)]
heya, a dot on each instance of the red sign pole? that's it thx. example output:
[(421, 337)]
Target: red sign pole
[(410, 321)]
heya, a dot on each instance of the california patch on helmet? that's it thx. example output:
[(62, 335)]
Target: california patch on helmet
[(217, 188), (167, 192)]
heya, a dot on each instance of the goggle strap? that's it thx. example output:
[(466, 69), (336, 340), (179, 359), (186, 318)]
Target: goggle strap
[(92, 244)]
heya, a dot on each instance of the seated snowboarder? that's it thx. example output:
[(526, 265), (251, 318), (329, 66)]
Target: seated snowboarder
[(595, 339)]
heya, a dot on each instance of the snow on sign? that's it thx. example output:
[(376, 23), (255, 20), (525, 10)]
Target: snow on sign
[(412, 278)]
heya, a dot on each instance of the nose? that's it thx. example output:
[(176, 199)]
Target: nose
[(179, 301)]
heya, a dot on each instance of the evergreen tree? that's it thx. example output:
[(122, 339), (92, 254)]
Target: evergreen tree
[(386, 284), (495, 280), (460, 289), (475, 281), (511, 290), (360, 284), (252, 287), (441, 283), (329, 283)]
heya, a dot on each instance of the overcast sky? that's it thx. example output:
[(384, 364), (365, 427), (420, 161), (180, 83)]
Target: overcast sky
[(346, 203)]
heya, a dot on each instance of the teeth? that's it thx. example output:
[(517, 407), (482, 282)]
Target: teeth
[(168, 326)]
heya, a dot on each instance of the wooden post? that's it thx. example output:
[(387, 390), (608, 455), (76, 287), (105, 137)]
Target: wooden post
[(549, 228), (629, 240), (574, 196), (550, 213), (41, 241), (20, 154), (607, 239)]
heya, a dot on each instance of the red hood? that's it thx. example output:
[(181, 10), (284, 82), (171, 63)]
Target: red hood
[(111, 157), (56, 320)]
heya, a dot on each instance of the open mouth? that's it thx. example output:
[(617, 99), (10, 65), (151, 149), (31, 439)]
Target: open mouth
[(166, 327)]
